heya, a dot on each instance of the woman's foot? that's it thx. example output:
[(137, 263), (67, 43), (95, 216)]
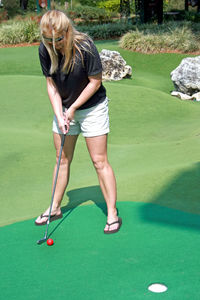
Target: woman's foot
[(113, 226), (42, 219)]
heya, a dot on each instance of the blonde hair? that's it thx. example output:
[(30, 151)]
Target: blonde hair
[(57, 22)]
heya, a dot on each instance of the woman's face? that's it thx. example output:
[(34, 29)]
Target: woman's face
[(59, 39)]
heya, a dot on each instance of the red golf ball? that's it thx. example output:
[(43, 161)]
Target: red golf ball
[(50, 242)]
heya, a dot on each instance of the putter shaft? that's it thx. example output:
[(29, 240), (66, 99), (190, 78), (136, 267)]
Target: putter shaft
[(54, 188)]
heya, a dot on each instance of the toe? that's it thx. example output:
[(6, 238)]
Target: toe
[(41, 219)]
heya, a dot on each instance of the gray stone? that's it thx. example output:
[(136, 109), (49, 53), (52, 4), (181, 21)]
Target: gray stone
[(186, 77), (182, 96), (114, 66)]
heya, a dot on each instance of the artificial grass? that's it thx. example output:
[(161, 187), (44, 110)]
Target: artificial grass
[(153, 143), (155, 244), (153, 148)]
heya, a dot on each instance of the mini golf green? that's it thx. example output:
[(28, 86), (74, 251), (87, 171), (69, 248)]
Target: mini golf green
[(155, 244), (154, 150)]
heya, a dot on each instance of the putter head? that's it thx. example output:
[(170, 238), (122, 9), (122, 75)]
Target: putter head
[(39, 242)]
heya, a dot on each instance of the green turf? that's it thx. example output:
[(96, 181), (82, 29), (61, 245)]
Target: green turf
[(154, 150), (154, 137), (155, 244)]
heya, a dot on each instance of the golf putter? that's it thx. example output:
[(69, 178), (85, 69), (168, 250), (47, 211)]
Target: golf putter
[(54, 188)]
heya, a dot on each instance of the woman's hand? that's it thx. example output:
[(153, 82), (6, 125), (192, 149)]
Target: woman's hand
[(69, 113), (63, 124)]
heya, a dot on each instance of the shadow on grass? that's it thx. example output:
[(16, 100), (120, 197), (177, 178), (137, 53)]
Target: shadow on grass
[(80, 196), (179, 202)]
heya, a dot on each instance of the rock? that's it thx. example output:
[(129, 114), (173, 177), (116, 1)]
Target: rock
[(182, 96), (186, 77), (196, 96), (114, 66)]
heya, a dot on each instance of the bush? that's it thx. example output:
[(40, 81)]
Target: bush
[(32, 5), (106, 31), (164, 38), (19, 32), (192, 16), (110, 5), (11, 6), (88, 14), (3, 15), (173, 5), (88, 2), (182, 36)]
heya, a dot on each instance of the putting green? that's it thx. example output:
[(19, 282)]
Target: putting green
[(152, 138), (154, 150), (86, 264)]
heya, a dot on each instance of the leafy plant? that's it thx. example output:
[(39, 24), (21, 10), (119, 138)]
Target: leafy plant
[(3, 15), (110, 5), (88, 2), (86, 14), (169, 38), (11, 4), (19, 32), (106, 31)]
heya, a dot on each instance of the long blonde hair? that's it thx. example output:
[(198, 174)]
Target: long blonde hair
[(57, 22)]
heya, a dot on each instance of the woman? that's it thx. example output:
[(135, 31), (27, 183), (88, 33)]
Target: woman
[(72, 67)]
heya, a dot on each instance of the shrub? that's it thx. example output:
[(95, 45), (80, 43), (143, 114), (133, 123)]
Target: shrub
[(171, 38), (12, 7), (19, 32), (88, 2), (110, 5), (32, 5), (106, 31), (3, 15), (192, 16), (11, 4), (88, 14)]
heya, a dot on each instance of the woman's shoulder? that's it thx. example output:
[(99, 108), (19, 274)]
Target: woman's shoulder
[(42, 49), (88, 47)]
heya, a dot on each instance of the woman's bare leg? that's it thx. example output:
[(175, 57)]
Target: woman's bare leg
[(64, 172), (97, 147)]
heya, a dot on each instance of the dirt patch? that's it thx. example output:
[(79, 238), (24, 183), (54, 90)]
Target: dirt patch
[(38, 43), (20, 45)]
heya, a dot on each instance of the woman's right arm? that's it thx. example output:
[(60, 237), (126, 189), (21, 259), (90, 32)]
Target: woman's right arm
[(56, 103)]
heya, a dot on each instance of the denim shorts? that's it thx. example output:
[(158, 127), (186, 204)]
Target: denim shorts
[(93, 121)]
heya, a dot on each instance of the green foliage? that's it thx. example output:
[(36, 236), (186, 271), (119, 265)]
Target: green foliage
[(88, 2), (171, 36), (3, 15), (192, 16), (12, 7), (156, 39), (106, 31), (11, 4), (19, 32), (110, 5), (32, 5), (88, 14), (173, 5)]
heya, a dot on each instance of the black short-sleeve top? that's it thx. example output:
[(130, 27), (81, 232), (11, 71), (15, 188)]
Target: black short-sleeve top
[(71, 84)]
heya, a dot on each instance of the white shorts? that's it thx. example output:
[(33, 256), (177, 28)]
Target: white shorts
[(93, 121)]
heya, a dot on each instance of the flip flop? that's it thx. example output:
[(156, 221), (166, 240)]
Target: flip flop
[(52, 218), (114, 230)]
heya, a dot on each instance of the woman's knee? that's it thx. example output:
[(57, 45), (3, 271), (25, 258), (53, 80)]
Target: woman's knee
[(99, 163), (64, 161)]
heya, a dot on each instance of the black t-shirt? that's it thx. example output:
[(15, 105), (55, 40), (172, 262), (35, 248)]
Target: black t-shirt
[(70, 85)]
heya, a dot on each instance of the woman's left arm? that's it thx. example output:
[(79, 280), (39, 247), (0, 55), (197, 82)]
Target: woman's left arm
[(91, 88)]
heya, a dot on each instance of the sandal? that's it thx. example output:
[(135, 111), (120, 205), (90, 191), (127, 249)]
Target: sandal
[(119, 222), (52, 218)]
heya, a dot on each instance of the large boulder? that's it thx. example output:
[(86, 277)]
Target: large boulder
[(186, 77), (114, 66)]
